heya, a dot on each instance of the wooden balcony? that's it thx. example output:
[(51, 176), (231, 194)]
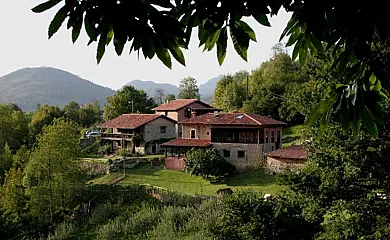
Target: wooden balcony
[(119, 136), (247, 140)]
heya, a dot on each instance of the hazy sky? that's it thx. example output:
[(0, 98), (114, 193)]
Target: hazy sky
[(24, 43)]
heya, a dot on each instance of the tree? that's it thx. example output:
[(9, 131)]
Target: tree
[(90, 114), (159, 96), (188, 89), (53, 174), (230, 92), (357, 36), (271, 84), (13, 127), (44, 116), (71, 111), (128, 100), (169, 97), (5, 161), (13, 198), (206, 163)]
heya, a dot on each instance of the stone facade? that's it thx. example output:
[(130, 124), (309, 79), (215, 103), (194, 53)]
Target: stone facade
[(253, 154), (276, 165), (201, 131)]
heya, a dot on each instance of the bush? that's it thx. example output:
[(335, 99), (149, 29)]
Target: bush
[(124, 152), (64, 231), (207, 162), (104, 149)]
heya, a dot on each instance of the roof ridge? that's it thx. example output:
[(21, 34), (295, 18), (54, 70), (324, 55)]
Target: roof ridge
[(246, 114)]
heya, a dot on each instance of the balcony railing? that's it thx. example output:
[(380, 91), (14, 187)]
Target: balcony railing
[(120, 135), (249, 140)]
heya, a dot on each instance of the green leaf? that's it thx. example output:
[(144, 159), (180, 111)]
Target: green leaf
[(101, 46), (317, 44), (377, 113), (303, 52), (291, 25), (297, 48), (57, 21), (261, 18), (148, 47), (248, 30), (110, 35), (163, 55), (89, 28), (240, 41), (356, 124), (222, 46), (210, 43), (320, 109), (76, 29), (177, 53), (368, 121), (45, 6)]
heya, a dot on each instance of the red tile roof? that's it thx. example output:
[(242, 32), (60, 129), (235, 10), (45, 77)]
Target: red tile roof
[(131, 121), (292, 152), (233, 119), (178, 104), (181, 142)]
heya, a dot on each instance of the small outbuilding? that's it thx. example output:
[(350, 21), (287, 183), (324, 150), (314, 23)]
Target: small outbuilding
[(286, 159)]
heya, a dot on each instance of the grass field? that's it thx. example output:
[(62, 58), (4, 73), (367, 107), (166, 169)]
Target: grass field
[(254, 179), (292, 135)]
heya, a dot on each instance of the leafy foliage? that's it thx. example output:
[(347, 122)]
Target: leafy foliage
[(169, 97), (128, 100), (206, 163), (44, 116), (358, 37), (53, 174), (188, 89), (13, 127), (230, 93)]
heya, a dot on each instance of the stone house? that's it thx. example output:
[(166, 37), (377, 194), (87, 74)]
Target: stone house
[(145, 131), (182, 109), (241, 138), (286, 159)]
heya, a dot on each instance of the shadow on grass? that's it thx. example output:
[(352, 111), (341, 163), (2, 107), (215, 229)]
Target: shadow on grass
[(252, 177), (290, 139)]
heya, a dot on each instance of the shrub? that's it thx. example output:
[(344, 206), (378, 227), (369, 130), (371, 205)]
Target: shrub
[(104, 149), (64, 231), (91, 149), (124, 152), (206, 163), (103, 212)]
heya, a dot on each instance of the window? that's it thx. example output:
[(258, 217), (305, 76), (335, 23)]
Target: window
[(166, 113), (193, 133), (187, 113), (226, 153), (208, 133), (163, 129), (273, 148), (272, 136), (266, 136), (240, 154), (278, 136)]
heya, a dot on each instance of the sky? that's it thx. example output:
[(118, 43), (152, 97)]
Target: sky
[(24, 43)]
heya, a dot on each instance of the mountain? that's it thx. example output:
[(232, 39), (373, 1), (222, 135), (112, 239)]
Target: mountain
[(29, 87), (206, 90), (208, 87), (150, 87)]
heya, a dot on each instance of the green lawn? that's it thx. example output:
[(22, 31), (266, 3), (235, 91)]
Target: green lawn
[(292, 135), (254, 179)]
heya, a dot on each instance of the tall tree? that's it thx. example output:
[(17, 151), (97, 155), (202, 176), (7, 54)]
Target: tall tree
[(128, 100), (44, 116), (90, 114), (169, 97), (159, 96), (270, 85), (188, 89), (230, 92), (13, 127), (71, 111), (53, 173)]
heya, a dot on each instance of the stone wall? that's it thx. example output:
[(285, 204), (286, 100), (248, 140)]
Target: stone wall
[(201, 131), (254, 156), (276, 165), (152, 132)]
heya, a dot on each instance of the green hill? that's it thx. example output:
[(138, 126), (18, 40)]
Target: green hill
[(29, 87)]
